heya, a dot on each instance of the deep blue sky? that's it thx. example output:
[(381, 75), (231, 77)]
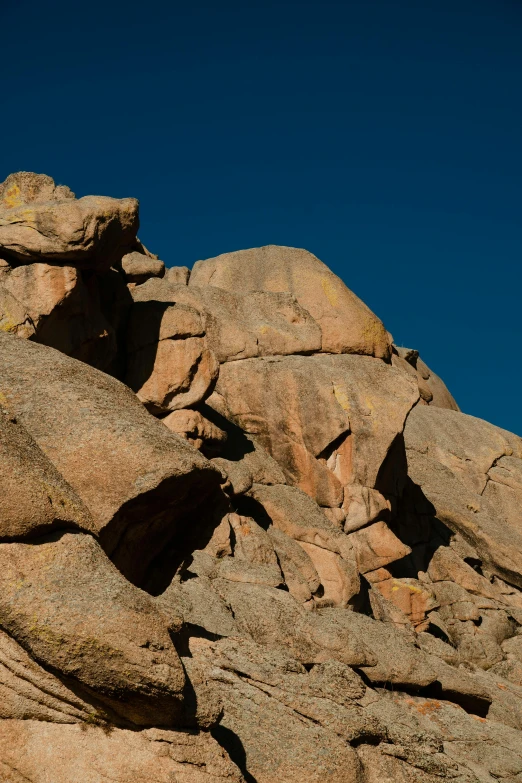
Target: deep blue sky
[(385, 137)]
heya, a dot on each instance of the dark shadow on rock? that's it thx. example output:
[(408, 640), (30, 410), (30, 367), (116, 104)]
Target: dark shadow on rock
[(116, 305), (142, 331), (250, 507), (182, 638), (414, 522), (234, 747), (237, 444), (473, 705), (186, 533), (393, 473), (151, 535), (90, 323)]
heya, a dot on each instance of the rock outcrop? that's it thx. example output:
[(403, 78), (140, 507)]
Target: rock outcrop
[(244, 538)]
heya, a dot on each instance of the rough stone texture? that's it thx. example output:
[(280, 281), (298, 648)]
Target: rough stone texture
[(139, 267), (432, 389), (137, 479), (276, 401), (177, 275), (14, 318), (64, 311), (347, 325), (31, 749), (90, 232), (24, 188), (450, 456), (306, 564), (196, 430), (172, 374), (68, 606), (258, 323), (34, 498)]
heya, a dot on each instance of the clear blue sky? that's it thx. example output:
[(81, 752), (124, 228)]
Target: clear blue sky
[(385, 137)]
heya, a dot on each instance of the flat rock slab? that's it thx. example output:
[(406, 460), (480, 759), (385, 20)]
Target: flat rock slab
[(30, 749)]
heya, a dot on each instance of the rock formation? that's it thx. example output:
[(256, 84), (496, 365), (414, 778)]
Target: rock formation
[(244, 538)]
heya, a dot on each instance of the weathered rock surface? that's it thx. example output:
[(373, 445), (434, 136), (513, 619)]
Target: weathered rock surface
[(66, 604), (432, 389), (347, 325), (277, 553), (94, 755), (242, 326), (24, 188), (138, 267), (468, 470), (90, 232), (138, 480), (34, 498), (363, 402)]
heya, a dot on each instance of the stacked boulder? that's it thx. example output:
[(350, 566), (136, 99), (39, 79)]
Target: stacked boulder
[(243, 536)]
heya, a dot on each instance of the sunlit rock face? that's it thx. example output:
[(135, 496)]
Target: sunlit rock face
[(243, 536)]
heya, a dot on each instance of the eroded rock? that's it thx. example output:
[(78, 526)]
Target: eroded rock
[(347, 325)]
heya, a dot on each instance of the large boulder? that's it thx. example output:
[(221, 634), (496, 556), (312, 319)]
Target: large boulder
[(347, 325), (140, 482), (468, 471), (34, 498), (363, 404), (241, 325), (66, 604), (306, 561), (91, 232), (66, 309), (25, 187)]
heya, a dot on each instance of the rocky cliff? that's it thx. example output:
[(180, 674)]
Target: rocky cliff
[(243, 536)]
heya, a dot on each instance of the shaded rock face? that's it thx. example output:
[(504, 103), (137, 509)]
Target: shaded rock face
[(243, 536)]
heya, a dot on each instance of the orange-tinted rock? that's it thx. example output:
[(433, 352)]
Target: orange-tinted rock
[(347, 325), (241, 326), (411, 597), (276, 401), (14, 318), (66, 312), (34, 498), (338, 575), (70, 608), (432, 389), (91, 232), (173, 374), (376, 546), (94, 755), (450, 456), (196, 430)]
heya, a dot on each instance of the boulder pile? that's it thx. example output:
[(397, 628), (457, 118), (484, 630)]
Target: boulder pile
[(244, 538)]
